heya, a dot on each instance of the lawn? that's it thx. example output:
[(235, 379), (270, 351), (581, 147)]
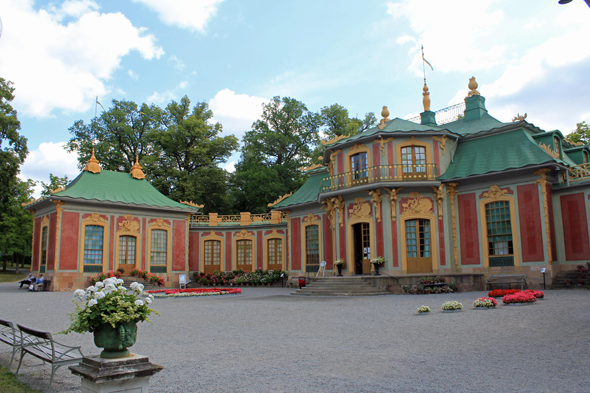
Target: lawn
[(9, 383), (9, 276)]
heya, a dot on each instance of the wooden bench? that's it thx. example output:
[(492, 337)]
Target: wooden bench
[(506, 279), (42, 346), (10, 336)]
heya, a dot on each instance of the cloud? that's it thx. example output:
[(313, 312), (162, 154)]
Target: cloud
[(177, 63), (236, 112), (186, 14), (133, 75), (64, 66), (49, 158), (168, 95)]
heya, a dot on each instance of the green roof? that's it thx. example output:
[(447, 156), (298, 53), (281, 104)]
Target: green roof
[(308, 192), (118, 187), (465, 127), (496, 153)]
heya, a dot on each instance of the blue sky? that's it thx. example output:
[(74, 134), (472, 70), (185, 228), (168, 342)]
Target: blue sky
[(528, 56)]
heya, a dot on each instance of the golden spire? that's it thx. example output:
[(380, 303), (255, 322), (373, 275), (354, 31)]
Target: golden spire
[(136, 171), (92, 165), (385, 114), (473, 87), (426, 99)]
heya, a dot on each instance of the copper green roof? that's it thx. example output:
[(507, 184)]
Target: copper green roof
[(485, 123), (496, 153), (118, 187), (308, 192)]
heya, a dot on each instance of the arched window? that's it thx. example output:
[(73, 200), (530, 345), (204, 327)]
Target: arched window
[(358, 165), (413, 162)]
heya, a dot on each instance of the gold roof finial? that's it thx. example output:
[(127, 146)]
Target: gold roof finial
[(426, 99), (385, 114), (92, 165), (136, 171), (473, 87)]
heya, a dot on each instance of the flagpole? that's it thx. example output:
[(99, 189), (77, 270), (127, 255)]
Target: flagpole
[(423, 67)]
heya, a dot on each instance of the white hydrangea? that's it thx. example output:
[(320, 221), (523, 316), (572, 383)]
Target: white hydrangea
[(91, 288), (148, 300), (99, 295), (80, 293), (99, 284), (110, 280), (139, 302), (133, 285), (92, 302), (122, 289), (110, 287), (151, 296), (119, 281)]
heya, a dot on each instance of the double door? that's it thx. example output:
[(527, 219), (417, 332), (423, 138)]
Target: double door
[(418, 246)]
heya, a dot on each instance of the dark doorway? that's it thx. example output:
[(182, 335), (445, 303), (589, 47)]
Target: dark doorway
[(362, 248)]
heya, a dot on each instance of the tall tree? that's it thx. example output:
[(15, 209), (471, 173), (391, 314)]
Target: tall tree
[(336, 121), (16, 224), (276, 146), (55, 182), (580, 134)]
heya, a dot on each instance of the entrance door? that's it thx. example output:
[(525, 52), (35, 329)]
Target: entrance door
[(212, 256), (127, 253), (362, 248), (418, 251)]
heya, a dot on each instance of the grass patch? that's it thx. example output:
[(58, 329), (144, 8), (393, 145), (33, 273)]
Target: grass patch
[(9, 383), (11, 276)]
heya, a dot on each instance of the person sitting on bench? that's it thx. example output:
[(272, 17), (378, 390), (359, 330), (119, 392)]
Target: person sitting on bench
[(39, 283), (27, 281)]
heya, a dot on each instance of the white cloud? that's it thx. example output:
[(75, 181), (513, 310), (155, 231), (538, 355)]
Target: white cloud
[(186, 14), (167, 95), (177, 63), (133, 75), (49, 158), (64, 66), (236, 112)]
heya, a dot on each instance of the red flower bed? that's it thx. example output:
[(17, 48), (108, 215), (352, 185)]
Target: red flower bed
[(502, 292), (228, 291), (520, 297), (538, 294)]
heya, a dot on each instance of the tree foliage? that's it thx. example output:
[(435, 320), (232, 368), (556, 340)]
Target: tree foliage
[(55, 182), (336, 122), (580, 134)]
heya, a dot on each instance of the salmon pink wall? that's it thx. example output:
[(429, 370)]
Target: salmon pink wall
[(529, 214), (376, 161), (468, 231), (259, 250), (36, 244), (228, 251), (111, 243), (144, 245), (296, 244), (179, 245), (68, 250), (193, 251), (51, 241), (394, 253), (575, 227), (441, 243), (551, 223)]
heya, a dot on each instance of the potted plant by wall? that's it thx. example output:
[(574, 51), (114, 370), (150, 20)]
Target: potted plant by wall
[(339, 263), (452, 306), (376, 263), (111, 312)]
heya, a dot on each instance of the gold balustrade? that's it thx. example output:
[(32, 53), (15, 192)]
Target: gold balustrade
[(579, 172), (274, 217)]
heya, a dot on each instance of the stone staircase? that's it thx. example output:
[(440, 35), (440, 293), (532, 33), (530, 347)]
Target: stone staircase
[(559, 281), (146, 286), (340, 286)]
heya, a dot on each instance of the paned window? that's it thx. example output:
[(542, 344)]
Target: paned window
[(93, 244), (312, 245), (418, 238), (275, 252), (212, 252), (499, 228), (244, 249), (127, 250), (159, 248), (358, 164), (44, 246), (557, 145), (414, 161), (366, 241)]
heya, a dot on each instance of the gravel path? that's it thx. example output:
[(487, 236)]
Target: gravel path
[(266, 340)]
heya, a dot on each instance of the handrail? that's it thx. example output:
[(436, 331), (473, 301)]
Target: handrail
[(579, 172), (212, 219), (381, 173)]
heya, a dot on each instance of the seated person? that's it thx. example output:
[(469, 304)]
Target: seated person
[(27, 281), (39, 283)]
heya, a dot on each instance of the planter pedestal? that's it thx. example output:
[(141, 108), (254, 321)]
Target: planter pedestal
[(131, 374)]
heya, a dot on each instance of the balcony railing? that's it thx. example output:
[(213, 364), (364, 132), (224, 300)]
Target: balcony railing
[(212, 219), (579, 172), (381, 173)]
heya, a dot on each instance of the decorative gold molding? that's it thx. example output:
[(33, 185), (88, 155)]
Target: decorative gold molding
[(44, 221), (92, 165), (242, 235), (494, 193), (385, 114), (473, 87), (382, 141), (360, 210), (136, 171), (518, 117), (549, 150), (442, 140), (452, 191), (191, 203), (392, 195), (30, 202), (376, 198), (129, 226), (310, 168), (417, 205), (334, 140), (543, 183), (339, 205), (280, 199), (95, 218), (159, 224), (310, 219), (328, 205), (356, 147), (332, 161), (58, 189), (439, 195)]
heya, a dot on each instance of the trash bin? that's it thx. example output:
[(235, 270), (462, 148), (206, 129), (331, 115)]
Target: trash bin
[(301, 281)]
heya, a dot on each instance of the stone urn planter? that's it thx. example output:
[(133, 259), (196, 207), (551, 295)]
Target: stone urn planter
[(339, 270), (115, 340)]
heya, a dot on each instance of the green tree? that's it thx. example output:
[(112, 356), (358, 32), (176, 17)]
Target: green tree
[(336, 122), (55, 182), (276, 146), (16, 224), (580, 134)]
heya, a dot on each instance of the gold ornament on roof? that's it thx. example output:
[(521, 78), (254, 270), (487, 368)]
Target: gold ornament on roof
[(549, 150), (473, 87), (385, 114), (426, 99), (442, 142), (518, 117), (136, 171), (334, 140), (58, 189), (191, 203), (312, 167), (280, 199), (92, 165)]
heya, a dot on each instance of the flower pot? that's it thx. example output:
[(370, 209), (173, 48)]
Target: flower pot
[(115, 341), (376, 270), (339, 270)]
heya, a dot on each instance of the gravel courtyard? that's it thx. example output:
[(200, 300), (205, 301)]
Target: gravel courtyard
[(266, 340)]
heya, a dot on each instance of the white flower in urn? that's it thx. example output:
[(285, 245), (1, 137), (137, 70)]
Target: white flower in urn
[(92, 302), (139, 302), (99, 295)]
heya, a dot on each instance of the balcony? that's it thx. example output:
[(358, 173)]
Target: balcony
[(579, 172), (377, 174), (243, 219)]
